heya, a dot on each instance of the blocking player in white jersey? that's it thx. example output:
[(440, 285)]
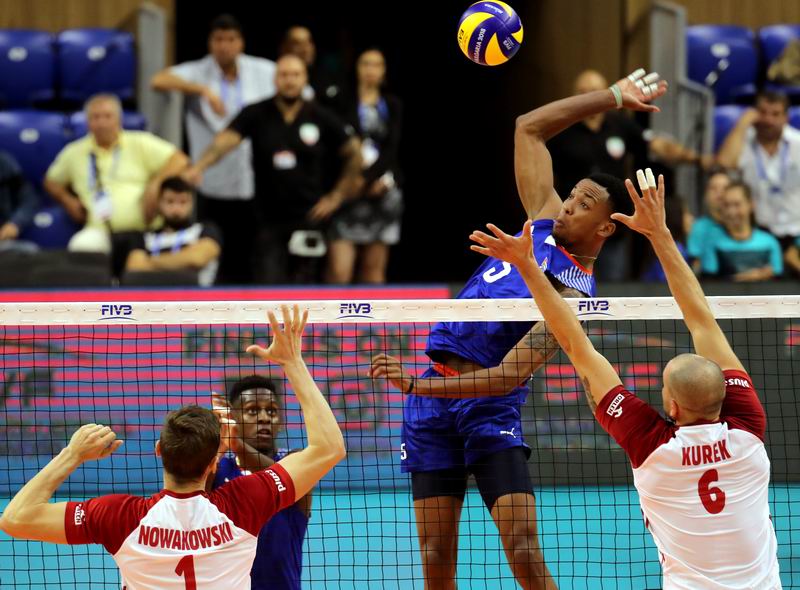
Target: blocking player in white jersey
[(182, 537), (702, 473)]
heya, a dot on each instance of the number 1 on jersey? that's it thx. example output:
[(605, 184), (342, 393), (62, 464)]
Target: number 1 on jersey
[(185, 568)]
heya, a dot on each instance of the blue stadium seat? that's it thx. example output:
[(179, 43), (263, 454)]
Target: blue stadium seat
[(725, 117), (794, 117), (95, 60), (773, 39), (52, 228), (34, 138), (27, 67), (130, 120), (710, 46)]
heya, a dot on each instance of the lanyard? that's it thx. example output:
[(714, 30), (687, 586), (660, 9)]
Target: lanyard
[(365, 116), (224, 85), (774, 189), (180, 238), (95, 182)]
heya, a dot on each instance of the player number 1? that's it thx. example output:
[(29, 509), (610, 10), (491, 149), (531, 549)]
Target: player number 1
[(713, 499), (185, 568)]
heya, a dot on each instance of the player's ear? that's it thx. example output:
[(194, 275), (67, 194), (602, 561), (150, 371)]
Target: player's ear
[(158, 448), (607, 229), (674, 410)]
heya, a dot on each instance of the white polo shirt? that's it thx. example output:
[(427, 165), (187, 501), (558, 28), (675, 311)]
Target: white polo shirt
[(232, 177), (775, 182)]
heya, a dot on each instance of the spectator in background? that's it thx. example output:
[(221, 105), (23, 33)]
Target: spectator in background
[(364, 228), (217, 87), (615, 144), (767, 150), (109, 180), (18, 202), (182, 244), (293, 140), (706, 225), (792, 257), (741, 251), (323, 84)]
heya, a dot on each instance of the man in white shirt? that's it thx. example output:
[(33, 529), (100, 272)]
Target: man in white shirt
[(703, 473), (183, 537), (767, 150), (217, 87)]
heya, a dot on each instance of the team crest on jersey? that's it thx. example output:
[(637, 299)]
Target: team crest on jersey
[(309, 133), (614, 408), (543, 265), (80, 514)]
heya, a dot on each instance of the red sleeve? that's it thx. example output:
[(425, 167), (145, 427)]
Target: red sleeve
[(742, 408), (107, 520), (636, 427), (250, 501)]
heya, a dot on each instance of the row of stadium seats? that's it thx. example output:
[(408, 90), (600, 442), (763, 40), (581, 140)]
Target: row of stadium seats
[(37, 66), (726, 116), (727, 58)]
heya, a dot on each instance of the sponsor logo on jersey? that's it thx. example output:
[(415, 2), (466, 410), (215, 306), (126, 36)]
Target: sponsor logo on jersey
[(615, 407), (277, 480), (509, 432), (738, 382), (80, 515)]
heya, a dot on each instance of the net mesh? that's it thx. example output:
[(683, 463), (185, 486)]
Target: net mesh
[(127, 365)]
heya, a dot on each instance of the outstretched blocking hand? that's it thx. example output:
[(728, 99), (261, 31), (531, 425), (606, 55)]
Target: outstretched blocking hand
[(516, 250), (639, 89), (286, 344), (649, 217), (93, 442)]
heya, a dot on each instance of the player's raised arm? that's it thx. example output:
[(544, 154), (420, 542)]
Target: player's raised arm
[(325, 441), (649, 220), (596, 373), (30, 514), (533, 167)]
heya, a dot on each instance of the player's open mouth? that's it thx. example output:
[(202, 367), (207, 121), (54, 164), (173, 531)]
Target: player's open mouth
[(264, 433)]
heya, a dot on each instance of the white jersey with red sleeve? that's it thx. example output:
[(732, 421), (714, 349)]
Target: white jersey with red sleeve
[(703, 488), (193, 541)]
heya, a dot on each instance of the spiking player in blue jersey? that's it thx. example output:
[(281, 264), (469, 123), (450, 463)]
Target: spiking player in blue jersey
[(463, 415), (253, 405)]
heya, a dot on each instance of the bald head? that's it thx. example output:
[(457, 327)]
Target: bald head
[(696, 384), (589, 81)]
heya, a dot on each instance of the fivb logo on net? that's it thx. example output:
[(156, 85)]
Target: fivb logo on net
[(592, 307), (117, 311), (355, 309)]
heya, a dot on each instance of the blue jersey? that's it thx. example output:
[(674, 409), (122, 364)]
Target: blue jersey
[(279, 554), (487, 343)]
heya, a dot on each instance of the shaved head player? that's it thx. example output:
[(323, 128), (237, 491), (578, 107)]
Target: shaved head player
[(702, 473)]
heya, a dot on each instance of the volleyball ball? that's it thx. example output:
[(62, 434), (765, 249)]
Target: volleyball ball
[(489, 33)]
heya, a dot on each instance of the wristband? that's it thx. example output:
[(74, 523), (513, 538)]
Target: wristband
[(411, 385), (617, 95)]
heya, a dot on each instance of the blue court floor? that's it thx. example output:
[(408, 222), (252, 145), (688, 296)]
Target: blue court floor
[(593, 538)]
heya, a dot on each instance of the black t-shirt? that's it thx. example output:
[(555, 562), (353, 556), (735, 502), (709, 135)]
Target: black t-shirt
[(578, 151), (163, 242), (290, 160)]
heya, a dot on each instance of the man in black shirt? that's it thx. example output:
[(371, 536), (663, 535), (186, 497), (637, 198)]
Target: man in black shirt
[(615, 144), (293, 143)]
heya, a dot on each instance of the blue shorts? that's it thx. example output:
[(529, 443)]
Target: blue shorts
[(441, 433)]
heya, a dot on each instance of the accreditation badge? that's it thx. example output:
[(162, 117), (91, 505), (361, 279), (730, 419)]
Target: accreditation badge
[(103, 207)]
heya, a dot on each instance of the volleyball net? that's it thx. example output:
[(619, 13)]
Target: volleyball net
[(127, 364)]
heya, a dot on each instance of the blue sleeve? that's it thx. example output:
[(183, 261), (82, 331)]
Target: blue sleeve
[(776, 256)]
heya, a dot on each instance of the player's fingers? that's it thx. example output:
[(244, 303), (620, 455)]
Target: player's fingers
[(624, 219), (661, 188), (480, 250), (481, 238), (273, 322), (256, 350), (303, 321), (651, 78), (636, 74), (632, 192), (497, 231), (287, 319), (651, 183)]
